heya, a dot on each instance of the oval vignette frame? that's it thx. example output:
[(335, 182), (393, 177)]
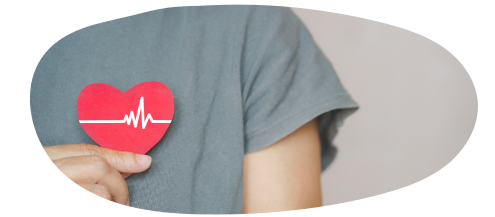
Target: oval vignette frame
[(365, 164)]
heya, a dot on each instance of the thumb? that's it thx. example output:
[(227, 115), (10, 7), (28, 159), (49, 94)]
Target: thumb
[(124, 162)]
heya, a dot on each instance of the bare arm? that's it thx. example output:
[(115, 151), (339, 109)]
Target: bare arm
[(284, 175)]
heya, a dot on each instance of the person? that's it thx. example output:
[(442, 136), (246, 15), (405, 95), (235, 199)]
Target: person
[(257, 105)]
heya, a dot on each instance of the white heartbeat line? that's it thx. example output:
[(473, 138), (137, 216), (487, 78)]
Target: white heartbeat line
[(134, 119)]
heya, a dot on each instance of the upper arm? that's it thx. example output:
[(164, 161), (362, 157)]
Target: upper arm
[(284, 175), (286, 82)]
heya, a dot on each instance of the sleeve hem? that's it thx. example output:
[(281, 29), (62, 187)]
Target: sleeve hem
[(267, 136)]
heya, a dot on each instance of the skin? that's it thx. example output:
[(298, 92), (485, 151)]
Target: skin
[(286, 175), (283, 176), (99, 170)]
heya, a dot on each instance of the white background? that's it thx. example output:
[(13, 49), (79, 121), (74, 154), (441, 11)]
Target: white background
[(31, 184)]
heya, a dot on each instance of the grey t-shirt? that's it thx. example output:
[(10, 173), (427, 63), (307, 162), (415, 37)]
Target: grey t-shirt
[(242, 77)]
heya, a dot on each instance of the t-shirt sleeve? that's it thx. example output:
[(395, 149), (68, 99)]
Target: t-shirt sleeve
[(287, 81)]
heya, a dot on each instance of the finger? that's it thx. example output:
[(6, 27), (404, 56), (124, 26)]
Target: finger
[(124, 162), (125, 175), (98, 189), (96, 170)]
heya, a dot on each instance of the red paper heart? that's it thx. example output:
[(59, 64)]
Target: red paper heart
[(133, 121)]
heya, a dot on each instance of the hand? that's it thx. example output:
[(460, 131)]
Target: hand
[(99, 170)]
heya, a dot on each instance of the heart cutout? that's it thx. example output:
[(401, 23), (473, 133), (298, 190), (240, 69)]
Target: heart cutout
[(132, 121)]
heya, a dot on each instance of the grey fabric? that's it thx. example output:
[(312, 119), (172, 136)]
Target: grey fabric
[(243, 77)]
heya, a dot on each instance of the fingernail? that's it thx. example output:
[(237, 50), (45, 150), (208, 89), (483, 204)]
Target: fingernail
[(128, 203), (143, 160)]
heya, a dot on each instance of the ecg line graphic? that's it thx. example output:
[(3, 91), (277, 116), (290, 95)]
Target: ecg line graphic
[(131, 117)]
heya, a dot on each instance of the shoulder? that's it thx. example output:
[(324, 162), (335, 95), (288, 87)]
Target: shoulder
[(270, 19)]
